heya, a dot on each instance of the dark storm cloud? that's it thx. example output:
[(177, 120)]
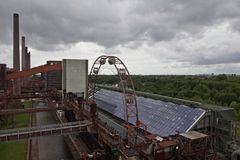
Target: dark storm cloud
[(222, 59), (57, 24), (130, 24)]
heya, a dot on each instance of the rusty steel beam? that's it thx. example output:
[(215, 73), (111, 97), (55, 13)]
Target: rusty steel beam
[(30, 110), (32, 71), (33, 90), (75, 108), (25, 96)]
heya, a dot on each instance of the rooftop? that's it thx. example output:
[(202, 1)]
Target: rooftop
[(192, 135), (163, 118)]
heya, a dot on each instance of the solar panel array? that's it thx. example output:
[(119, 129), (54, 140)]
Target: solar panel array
[(163, 118)]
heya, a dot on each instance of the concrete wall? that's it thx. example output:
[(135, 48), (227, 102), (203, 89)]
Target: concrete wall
[(75, 75)]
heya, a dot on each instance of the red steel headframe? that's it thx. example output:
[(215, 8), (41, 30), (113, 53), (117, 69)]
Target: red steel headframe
[(126, 83)]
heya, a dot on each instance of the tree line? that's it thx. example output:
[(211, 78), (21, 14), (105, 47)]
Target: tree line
[(221, 90)]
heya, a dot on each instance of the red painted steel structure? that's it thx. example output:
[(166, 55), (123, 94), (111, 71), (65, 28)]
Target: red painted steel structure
[(35, 70), (129, 99)]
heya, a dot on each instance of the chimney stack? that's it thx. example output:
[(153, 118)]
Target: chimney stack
[(27, 59), (23, 54), (16, 56)]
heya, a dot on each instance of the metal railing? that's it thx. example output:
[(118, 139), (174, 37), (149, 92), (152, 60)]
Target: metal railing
[(47, 130)]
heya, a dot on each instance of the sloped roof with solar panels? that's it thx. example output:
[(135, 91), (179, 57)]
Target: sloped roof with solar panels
[(163, 118)]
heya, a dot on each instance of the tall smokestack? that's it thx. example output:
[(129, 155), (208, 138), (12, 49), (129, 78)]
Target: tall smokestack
[(16, 57), (23, 54), (23, 60), (29, 60), (26, 58)]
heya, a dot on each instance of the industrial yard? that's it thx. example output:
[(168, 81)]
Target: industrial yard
[(58, 110)]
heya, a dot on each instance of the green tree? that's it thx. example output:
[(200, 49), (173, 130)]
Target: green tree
[(222, 77), (236, 107), (202, 90), (225, 98)]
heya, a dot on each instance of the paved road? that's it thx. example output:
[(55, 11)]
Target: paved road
[(51, 147)]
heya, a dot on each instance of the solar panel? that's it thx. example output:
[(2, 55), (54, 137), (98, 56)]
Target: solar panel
[(163, 118)]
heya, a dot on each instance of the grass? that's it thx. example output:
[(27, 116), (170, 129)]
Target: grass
[(13, 150), (16, 150), (22, 120)]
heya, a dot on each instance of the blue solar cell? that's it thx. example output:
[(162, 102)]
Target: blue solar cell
[(163, 118)]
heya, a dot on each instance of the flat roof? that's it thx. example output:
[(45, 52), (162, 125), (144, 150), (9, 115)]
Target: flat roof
[(193, 135)]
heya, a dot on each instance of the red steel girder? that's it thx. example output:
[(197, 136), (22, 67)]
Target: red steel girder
[(32, 71)]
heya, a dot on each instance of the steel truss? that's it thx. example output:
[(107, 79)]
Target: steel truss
[(125, 83)]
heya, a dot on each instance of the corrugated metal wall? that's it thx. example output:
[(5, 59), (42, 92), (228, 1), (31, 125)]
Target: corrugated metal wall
[(54, 78)]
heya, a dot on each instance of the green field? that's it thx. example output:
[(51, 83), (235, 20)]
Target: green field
[(15, 150)]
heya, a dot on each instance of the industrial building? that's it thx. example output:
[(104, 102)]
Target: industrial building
[(53, 78), (168, 119), (163, 119), (100, 122), (74, 75)]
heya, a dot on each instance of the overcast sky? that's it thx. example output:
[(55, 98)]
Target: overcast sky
[(150, 36)]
